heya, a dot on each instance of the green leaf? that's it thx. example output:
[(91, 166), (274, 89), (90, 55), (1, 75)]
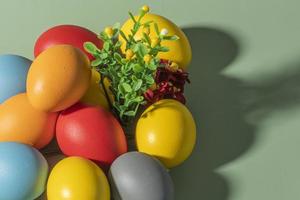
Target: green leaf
[(147, 24), (90, 47), (152, 66), (137, 85), (96, 62), (132, 17), (123, 36), (137, 68), (163, 49), (130, 113), (172, 38), (149, 79), (156, 29), (117, 25), (127, 87), (147, 38), (139, 99), (103, 55), (106, 46), (118, 57)]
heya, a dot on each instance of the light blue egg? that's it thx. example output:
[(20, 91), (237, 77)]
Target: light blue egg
[(23, 172), (13, 74)]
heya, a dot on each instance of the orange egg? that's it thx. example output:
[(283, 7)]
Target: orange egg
[(20, 122), (58, 78)]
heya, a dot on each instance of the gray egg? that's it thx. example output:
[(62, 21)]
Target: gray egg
[(138, 176)]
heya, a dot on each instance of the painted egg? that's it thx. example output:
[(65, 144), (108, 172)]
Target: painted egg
[(90, 132), (20, 122), (23, 172), (166, 130), (58, 78), (95, 95), (13, 73), (179, 51), (77, 178), (136, 176), (66, 34)]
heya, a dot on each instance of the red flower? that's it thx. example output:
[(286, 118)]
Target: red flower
[(169, 84)]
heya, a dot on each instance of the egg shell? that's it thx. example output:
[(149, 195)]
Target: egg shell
[(77, 178), (90, 132), (95, 95), (23, 172), (66, 34), (136, 176), (166, 130), (20, 122), (13, 74), (58, 78), (180, 51)]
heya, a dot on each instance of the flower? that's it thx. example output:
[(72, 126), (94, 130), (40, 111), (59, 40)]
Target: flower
[(145, 8), (129, 54), (164, 31), (174, 66), (109, 31), (147, 58), (169, 84)]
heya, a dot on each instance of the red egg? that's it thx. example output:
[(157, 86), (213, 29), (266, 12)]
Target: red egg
[(90, 132), (66, 34)]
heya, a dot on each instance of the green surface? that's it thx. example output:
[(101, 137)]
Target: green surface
[(244, 93)]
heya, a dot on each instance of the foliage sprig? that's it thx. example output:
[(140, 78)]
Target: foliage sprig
[(131, 72)]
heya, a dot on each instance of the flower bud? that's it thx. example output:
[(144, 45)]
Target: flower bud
[(145, 8), (147, 58), (109, 31)]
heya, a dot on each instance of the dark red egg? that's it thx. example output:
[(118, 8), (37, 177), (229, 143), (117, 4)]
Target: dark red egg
[(90, 132), (66, 34)]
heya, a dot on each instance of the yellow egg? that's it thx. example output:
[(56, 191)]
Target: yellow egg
[(77, 178), (180, 50), (95, 94), (58, 78), (167, 131), (20, 122)]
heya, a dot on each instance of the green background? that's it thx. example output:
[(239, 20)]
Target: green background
[(245, 91)]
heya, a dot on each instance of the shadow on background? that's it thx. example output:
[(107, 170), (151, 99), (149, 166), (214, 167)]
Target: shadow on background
[(214, 99)]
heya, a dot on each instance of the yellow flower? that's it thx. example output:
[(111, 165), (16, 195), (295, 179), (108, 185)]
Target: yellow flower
[(109, 31), (174, 66), (154, 42), (145, 8), (147, 58), (153, 86), (129, 54)]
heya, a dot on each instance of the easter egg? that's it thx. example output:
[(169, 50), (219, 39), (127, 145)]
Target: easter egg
[(58, 78), (166, 130), (95, 95), (20, 122), (179, 51), (23, 172), (77, 178), (136, 176), (66, 34), (90, 132), (13, 73)]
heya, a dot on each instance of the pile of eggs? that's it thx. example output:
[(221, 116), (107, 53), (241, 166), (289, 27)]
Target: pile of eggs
[(57, 97)]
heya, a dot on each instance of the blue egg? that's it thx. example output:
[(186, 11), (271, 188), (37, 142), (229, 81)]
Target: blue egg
[(23, 172), (13, 74)]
